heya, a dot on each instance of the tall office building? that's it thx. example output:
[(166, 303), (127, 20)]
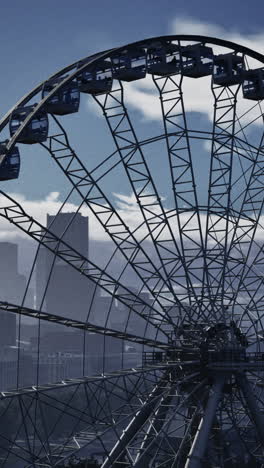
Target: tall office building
[(72, 295), (12, 288), (73, 228), (60, 289)]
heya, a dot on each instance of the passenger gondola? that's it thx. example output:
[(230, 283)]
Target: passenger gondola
[(10, 167), (36, 131), (163, 60), (97, 79), (65, 101), (228, 69), (197, 61), (129, 65), (253, 84)]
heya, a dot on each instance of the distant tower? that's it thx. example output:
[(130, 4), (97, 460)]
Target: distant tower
[(12, 288), (77, 234), (68, 293)]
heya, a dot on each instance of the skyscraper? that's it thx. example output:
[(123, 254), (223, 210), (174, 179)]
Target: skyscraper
[(12, 288), (73, 228), (60, 289)]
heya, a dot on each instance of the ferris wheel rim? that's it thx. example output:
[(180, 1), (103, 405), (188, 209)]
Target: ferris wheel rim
[(110, 52), (104, 54)]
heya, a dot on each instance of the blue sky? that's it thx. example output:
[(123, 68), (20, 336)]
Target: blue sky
[(39, 38)]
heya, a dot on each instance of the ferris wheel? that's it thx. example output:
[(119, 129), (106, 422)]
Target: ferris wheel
[(181, 140)]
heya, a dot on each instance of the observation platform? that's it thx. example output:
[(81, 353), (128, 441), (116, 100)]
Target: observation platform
[(228, 360)]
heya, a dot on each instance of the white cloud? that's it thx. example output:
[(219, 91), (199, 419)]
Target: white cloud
[(190, 25), (207, 145), (141, 96), (126, 207), (39, 209), (129, 212)]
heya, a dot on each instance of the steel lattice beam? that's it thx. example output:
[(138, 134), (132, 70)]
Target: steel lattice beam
[(96, 378), (137, 422), (182, 176), (219, 196), (144, 189), (92, 194), (14, 213), (79, 325), (197, 452), (251, 402)]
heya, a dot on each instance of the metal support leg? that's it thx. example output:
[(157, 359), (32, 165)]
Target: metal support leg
[(179, 457), (197, 452), (182, 402), (154, 428), (136, 423), (257, 416)]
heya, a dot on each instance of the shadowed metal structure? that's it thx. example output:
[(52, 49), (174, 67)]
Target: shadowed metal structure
[(183, 285)]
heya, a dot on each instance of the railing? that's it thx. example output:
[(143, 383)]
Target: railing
[(232, 356), (152, 357), (205, 357)]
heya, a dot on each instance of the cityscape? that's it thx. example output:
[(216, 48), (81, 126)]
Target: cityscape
[(60, 354), (131, 235)]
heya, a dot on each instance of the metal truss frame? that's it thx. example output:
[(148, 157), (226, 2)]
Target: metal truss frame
[(171, 411)]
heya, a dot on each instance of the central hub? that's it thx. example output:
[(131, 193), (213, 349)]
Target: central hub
[(223, 343), (224, 348)]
